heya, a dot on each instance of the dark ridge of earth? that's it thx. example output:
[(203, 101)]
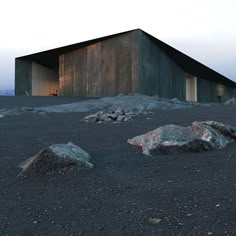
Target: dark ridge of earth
[(126, 193)]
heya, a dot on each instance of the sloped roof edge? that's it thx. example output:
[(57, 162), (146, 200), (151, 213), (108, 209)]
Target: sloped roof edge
[(191, 65), (49, 57)]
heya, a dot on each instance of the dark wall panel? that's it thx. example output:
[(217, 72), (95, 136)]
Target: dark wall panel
[(158, 73), (23, 77), (207, 91)]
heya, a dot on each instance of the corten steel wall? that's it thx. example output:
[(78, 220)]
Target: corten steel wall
[(23, 77), (106, 68), (44, 80), (158, 73), (206, 91)]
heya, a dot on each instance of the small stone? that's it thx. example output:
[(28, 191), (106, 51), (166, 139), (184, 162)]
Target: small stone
[(112, 116), (90, 119), (27, 108), (120, 118), (154, 221)]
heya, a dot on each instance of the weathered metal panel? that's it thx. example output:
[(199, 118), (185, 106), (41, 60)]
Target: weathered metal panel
[(123, 65), (159, 74), (207, 91), (61, 75), (135, 61), (69, 75), (119, 67), (80, 85), (120, 61), (44, 80), (106, 68), (23, 77), (94, 70)]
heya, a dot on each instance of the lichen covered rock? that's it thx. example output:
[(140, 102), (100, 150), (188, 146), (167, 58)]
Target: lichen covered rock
[(58, 158), (201, 136)]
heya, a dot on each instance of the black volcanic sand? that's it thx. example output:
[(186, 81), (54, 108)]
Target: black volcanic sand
[(126, 193)]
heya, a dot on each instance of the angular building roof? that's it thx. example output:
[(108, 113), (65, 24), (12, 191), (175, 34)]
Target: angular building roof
[(49, 58)]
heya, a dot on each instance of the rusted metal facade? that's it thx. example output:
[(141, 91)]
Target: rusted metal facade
[(105, 68), (129, 62)]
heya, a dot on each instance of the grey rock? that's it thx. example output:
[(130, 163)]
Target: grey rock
[(108, 120), (112, 116), (231, 101), (90, 118), (175, 100), (27, 109), (57, 158), (201, 136), (121, 118)]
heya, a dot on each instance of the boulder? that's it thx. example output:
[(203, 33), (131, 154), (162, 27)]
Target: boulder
[(201, 136), (175, 100), (231, 101), (57, 158)]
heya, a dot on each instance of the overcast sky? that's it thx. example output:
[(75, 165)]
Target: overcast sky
[(203, 29)]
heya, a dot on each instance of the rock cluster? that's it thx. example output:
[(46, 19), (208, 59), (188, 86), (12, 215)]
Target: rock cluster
[(57, 158), (231, 101), (201, 136), (114, 116)]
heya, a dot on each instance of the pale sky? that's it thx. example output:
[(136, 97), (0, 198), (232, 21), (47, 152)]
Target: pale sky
[(203, 29)]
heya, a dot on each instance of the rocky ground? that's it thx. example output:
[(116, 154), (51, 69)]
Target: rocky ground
[(126, 193)]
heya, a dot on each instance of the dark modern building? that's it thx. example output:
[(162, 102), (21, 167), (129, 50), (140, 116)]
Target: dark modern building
[(128, 62)]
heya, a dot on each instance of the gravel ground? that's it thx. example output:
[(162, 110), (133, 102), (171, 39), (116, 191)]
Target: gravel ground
[(125, 193)]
